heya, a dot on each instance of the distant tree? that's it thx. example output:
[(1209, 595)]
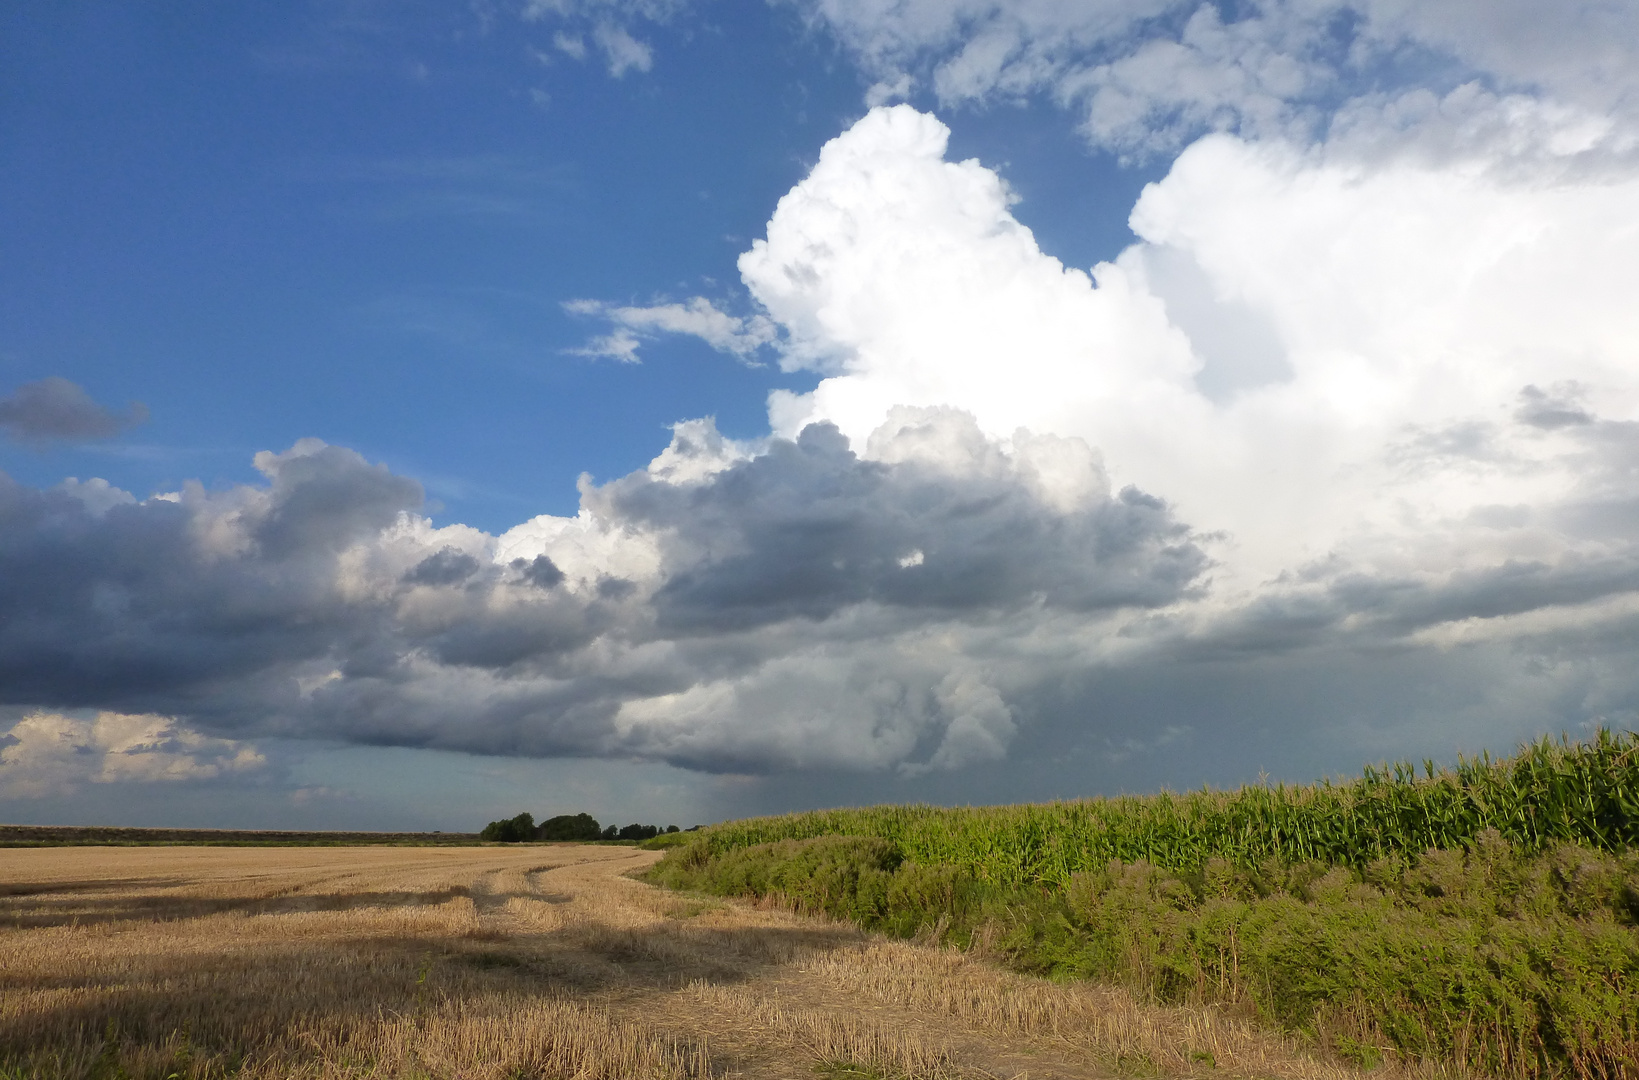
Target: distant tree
[(569, 827), (671, 828), (638, 832), (510, 831), (612, 833)]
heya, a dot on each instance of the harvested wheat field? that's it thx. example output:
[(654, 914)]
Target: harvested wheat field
[(534, 961)]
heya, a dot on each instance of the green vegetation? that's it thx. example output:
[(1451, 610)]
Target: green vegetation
[(1486, 915), (1551, 792), (669, 839), (566, 827), (636, 832), (510, 831), (569, 827)]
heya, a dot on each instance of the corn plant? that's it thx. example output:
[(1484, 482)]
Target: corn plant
[(1550, 791)]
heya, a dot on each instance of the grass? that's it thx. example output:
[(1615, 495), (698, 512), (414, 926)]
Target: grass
[(1481, 918)]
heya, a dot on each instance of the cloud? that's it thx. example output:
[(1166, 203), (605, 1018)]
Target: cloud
[(622, 51), (936, 519), (446, 566), (322, 605), (695, 317), (138, 598), (48, 753), (1557, 407), (1390, 394), (572, 47), (1286, 356), (96, 494), (56, 410), (1341, 452), (1148, 76), (540, 571), (608, 24), (1585, 56)]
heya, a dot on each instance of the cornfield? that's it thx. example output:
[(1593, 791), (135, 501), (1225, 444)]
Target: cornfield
[(1549, 792)]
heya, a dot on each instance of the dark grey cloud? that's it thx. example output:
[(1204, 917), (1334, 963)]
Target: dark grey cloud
[(1403, 605), (1352, 608), (1557, 407), (56, 410), (1586, 540), (161, 600), (322, 605), (809, 528), (447, 566), (540, 571), (941, 602)]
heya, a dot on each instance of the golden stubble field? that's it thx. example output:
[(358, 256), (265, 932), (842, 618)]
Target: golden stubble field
[(510, 962)]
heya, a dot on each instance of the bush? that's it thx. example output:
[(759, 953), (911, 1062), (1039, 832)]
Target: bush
[(670, 839), (566, 827), (511, 831), (631, 832), (842, 876)]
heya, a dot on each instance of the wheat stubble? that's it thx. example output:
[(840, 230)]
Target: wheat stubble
[(500, 962)]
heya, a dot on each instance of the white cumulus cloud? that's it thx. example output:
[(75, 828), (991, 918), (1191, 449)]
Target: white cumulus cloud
[(695, 317), (49, 753), (1148, 76)]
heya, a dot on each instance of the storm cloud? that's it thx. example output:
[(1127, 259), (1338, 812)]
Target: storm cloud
[(941, 522), (824, 607), (56, 410), (939, 600)]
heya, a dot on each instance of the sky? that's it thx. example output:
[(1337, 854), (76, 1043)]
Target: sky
[(413, 413)]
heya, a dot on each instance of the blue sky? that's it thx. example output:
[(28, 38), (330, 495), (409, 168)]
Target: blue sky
[(360, 223), (361, 226), (1067, 400)]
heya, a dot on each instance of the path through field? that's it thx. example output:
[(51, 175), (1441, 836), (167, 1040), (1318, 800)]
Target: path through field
[(520, 961)]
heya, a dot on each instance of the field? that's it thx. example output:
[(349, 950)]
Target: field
[(1548, 793), (523, 961), (103, 836), (1476, 921)]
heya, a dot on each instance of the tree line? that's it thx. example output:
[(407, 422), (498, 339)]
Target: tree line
[(564, 827)]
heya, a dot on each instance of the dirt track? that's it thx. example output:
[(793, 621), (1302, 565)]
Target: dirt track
[(537, 960)]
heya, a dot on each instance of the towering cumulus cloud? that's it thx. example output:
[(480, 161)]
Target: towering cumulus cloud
[(1388, 377), (1403, 389), (1400, 368)]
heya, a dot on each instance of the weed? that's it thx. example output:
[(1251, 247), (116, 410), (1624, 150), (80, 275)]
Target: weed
[(849, 1070)]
